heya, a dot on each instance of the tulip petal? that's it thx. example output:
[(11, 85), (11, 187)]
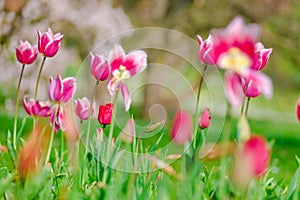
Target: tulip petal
[(135, 62), (126, 96), (234, 89), (69, 88)]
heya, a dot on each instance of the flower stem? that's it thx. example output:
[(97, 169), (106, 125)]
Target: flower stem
[(247, 106), (17, 108), (51, 136), (39, 77), (197, 104), (111, 131), (90, 119)]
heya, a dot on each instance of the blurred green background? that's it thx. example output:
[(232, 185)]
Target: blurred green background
[(87, 24)]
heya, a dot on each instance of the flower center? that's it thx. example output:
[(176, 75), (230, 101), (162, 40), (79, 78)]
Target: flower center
[(121, 73), (234, 59)]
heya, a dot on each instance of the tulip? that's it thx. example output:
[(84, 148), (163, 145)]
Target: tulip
[(61, 91), (82, 108), (298, 109), (58, 118), (258, 152), (37, 108), (100, 68), (26, 54), (105, 114), (262, 56), (204, 119), (48, 43), (205, 48), (124, 66), (181, 130), (234, 47)]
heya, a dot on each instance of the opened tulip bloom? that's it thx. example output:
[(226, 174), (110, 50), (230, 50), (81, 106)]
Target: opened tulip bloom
[(58, 118), (48, 43), (37, 108), (82, 108), (204, 120), (204, 50), (26, 54), (61, 91), (234, 47), (181, 130), (105, 114), (100, 67), (124, 66)]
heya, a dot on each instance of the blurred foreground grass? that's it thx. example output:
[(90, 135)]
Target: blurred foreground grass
[(284, 136)]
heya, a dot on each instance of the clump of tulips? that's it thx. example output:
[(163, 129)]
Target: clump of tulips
[(235, 49)]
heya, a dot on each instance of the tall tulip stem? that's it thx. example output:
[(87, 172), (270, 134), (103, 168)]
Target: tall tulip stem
[(17, 108), (90, 119), (247, 106), (39, 77), (197, 104)]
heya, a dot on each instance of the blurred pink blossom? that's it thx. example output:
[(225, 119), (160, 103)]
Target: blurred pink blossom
[(262, 56), (181, 130), (298, 109), (82, 108), (204, 120), (58, 118)]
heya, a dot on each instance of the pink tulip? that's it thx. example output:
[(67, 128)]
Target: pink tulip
[(124, 66), (253, 83), (82, 108), (256, 149), (100, 68), (181, 130), (60, 121), (262, 56), (204, 119), (26, 54), (234, 47), (37, 108), (298, 109), (105, 114), (204, 51), (48, 43), (61, 91)]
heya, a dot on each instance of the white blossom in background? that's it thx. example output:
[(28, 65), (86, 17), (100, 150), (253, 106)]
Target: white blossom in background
[(88, 23)]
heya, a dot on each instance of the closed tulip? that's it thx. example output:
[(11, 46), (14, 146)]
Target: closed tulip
[(48, 43), (26, 54)]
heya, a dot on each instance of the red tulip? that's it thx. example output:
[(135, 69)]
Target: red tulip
[(105, 114), (26, 54), (181, 131)]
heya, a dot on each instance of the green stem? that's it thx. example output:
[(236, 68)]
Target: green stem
[(51, 136), (17, 108), (247, 106), (90, 119), (197, 105), (111, 131), (38, 79)]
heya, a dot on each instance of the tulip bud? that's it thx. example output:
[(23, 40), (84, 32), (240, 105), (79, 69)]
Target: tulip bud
[(60, 120), (82, 108), (26, 54), (204, 119), (105, 114), (181, 131), (100, 68), (204, 51), (48, 43)]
